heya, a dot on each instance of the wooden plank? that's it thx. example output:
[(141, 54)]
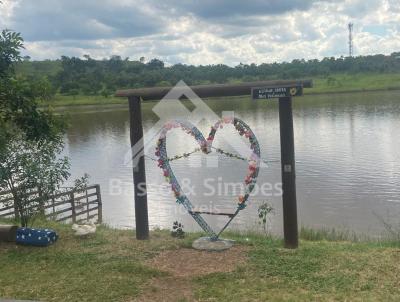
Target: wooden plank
[(7, 208), (73, 208), (59, 203), (6, 200), (7, 214), (88, 218), (84, 204), (87, 211), (5, 192), (64, 218), (100, 204), (92, 187), (206, 91), (84, 196), (70, 217), (57, 212), (60, 212)]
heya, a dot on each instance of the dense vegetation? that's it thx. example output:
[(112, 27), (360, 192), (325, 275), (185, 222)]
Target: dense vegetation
[(87, 76), (31, 138)]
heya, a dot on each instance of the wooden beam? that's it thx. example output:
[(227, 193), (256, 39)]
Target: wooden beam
[(207, 91)]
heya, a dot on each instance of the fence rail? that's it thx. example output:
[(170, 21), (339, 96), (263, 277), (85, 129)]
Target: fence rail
[(74, 205)]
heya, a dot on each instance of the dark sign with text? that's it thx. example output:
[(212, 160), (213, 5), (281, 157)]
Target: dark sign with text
[(259, 93)]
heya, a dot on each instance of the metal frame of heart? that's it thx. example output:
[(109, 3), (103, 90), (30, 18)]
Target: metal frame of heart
[(206, 147)]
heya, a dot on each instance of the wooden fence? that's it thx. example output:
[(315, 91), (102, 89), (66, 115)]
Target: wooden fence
[(71, 205)]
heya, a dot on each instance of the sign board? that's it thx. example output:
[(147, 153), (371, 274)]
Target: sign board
[(259, 93)]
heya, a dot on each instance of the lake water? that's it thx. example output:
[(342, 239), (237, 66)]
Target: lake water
[(347, 154)]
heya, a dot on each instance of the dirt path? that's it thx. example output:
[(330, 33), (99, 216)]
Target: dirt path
[(185, 264)]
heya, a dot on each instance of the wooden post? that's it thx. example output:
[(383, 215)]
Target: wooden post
[(87, 205), (100, 205), (288, 173), (139, 171), (73, 207)]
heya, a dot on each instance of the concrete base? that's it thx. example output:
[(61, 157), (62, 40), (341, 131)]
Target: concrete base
[(206, 244)]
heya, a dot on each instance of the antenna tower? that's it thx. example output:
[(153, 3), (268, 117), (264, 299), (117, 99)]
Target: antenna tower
[(350, 39)]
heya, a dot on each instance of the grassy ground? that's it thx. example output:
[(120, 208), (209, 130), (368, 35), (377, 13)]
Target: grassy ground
[(357, 82), (113, 266), (66, 100), (332, 84)]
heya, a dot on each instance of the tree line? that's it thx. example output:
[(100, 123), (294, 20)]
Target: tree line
[(87, 76)]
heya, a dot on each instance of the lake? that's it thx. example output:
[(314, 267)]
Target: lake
[(347, 154)]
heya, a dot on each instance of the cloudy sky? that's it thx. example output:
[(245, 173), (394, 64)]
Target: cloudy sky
[(203, 31)]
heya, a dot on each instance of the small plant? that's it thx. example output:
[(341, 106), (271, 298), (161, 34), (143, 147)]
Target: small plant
[(264, 210), (177, 230)]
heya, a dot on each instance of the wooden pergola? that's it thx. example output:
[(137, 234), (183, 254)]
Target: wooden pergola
[(283, 90)]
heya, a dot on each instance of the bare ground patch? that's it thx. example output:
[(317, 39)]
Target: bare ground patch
[(184, 264), (189, 263)]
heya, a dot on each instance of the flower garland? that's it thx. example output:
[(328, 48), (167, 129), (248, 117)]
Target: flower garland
[(206, 146)]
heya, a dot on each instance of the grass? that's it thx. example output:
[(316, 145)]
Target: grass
[(329, 235), (336, 83), (66, 100), (317, 271), (110, 266), (355, 82)]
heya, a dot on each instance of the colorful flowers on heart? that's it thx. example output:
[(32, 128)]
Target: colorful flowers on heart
[(206, 147)]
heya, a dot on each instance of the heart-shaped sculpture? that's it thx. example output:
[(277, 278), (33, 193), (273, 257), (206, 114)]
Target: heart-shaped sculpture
[(206, 147)]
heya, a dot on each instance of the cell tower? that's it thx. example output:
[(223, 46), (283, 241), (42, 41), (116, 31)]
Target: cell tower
[(350, 39)]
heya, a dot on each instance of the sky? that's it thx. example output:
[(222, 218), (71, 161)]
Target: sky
[(202, 32)]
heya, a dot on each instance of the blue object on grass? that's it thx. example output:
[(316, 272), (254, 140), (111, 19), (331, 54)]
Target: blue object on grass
[(36, 237)]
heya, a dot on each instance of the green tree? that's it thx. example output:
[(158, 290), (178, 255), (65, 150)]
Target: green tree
[(32, 171), (31, 140), (19, 98)]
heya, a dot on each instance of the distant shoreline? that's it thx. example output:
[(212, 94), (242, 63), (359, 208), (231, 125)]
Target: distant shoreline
[(64, 101)]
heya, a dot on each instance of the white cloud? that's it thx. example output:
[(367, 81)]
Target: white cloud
[(206, 32)]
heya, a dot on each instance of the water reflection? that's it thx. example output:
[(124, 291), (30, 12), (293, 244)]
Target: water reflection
[(346, 150)]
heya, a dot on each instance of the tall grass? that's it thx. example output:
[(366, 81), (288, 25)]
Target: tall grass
[(330, 234)]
